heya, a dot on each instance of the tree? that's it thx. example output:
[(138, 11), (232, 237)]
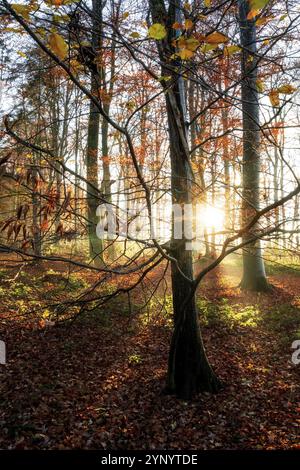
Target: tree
[(188, 368), (92, 164), (254, 275)]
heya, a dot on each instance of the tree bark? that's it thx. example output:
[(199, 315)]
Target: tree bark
[(254, 275), (188, 369), (95, 243)]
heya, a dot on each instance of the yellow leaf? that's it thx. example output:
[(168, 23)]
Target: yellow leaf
[(207, 3), (135, 35), (164, 78), (21, 54), (125, 15), (22, 10), (188, 24), (13, 30), (192, 44), (286, 89), (187, 6), (274, 98), (58, 45), (258, 4), (216, 38), (157, 31), (208, 47), (263, 20), (229, 50), (41, 32), (75, 65), (185, 54), (260, 85)]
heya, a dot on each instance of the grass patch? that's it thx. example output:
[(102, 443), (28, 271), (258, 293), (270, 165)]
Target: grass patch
[(16, 290), (216, 313)]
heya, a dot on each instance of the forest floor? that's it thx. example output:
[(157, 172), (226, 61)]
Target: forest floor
[(97, 382)]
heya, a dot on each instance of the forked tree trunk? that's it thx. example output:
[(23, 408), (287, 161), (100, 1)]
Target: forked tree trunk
[(254, 275), (188, 370)]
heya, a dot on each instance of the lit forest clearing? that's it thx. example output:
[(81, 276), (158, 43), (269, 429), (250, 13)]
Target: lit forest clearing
[(149, 226)]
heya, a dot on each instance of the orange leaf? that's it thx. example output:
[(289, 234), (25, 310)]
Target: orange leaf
[(216, 38)]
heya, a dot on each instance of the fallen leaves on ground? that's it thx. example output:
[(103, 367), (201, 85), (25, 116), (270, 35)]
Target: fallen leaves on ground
[(98, 383)]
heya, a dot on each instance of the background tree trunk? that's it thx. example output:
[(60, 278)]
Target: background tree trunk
[(254, 276), (92, 167)]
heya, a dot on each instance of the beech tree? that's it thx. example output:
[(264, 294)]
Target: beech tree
[(254, 275), (92, 156), (189, 370)]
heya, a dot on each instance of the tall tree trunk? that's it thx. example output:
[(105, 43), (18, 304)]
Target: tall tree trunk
[(275, 182), (282, 194), (254, 276), (76, 153), (296, 221), (225, 123), (92, 167), (36, 205), (188, 370)]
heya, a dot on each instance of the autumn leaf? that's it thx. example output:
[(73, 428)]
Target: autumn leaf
[(208, 47), (187, 47), (216, 38), (44, 225), (286, 89), (58, 3), (157, 31), (260, 85), (258, 4), (21, 54), (188, 24), (192, 44), (274, 98), (207, 3), (263, 20), (185, 54), (135, 35), (41, 31), (255, 8), (22, 10), (58, 45), (13, 30), (230, 50), (164, 78), (252, 14), (55, 3), (177, 25), (187, 6)]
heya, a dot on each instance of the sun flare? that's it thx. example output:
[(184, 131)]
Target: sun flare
[(211, 217)]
